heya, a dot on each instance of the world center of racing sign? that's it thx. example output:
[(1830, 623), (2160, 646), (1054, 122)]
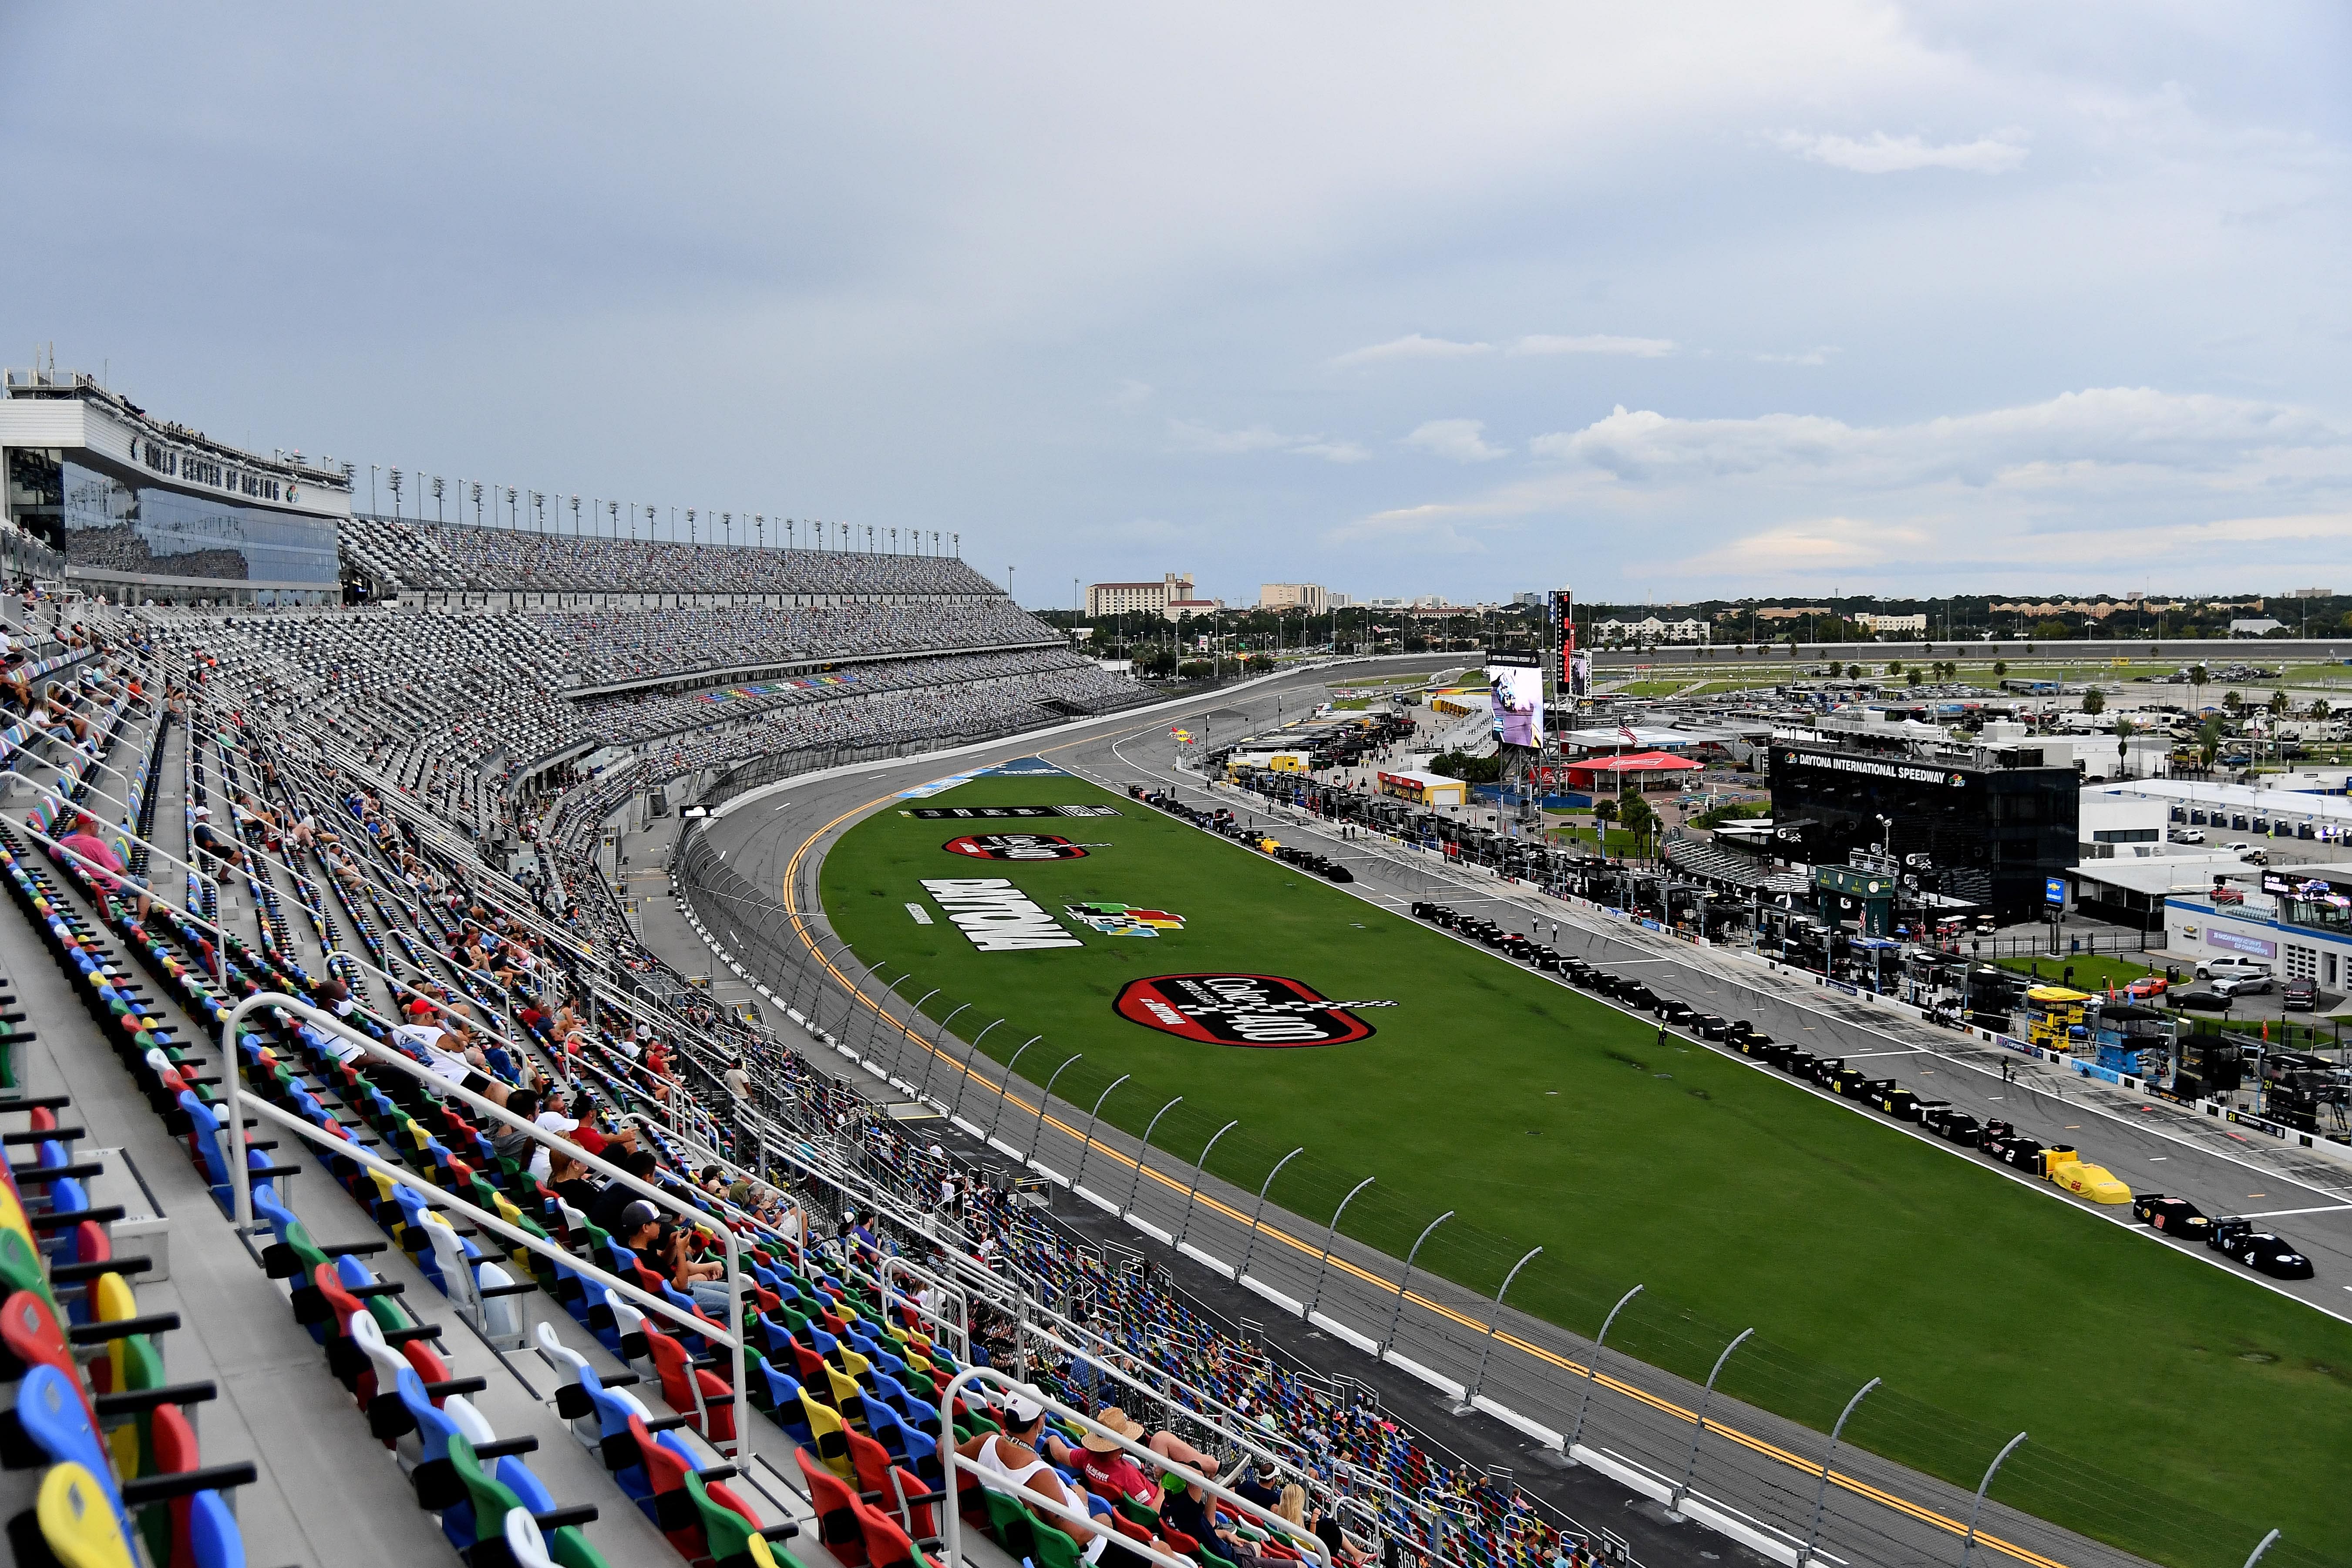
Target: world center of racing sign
[(995, 916)]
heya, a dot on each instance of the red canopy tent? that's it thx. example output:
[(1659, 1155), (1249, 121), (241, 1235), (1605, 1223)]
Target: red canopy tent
[(1592, 773)]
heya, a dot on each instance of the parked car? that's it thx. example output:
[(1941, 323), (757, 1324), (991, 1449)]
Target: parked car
[(1950, 1125), (2300, 996), (1677, 1013), (2262, 1251), (2189, 836), (2201, 1001), (2241, 985), (1900, 1103), (2216, 968), (1635, 995), (2174, 1217), (2146, 987), (1710, 1027)]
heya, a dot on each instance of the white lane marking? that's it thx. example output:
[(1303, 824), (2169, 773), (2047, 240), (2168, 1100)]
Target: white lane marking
[(2324, 1208), (1910, 1051)]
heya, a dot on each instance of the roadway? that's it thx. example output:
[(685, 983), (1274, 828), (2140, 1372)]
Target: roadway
[(1877, 1512)]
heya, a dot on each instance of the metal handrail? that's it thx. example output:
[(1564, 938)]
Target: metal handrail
[(242, 1184)]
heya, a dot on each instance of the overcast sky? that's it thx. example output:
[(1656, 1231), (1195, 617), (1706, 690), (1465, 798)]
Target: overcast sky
[(1661, 302)]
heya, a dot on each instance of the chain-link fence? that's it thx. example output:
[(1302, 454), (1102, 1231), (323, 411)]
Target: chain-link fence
[(1673, 1403)]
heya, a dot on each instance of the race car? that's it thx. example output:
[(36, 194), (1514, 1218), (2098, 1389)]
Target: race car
[(1635, 995), (1950, 1125), (2003, 1142), (1900, 1103), (2061, 1166), (1799, 1064), (2174, 1217), (2262, 1251), (1710, 1027), (1673, 1012)]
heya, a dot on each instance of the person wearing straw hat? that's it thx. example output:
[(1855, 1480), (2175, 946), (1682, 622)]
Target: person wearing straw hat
[(1107, 1468), (1009, 1464)]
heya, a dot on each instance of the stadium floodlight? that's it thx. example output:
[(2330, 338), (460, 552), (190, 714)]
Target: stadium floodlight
[(727, 521), (612, 513), (760, 528), (436, 498), (792, 527), (478, 505), (575, 516)]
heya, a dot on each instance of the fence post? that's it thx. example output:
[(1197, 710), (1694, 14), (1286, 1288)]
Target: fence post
[(1003, 1091), (1470, 1400), (1968, 1542), (1821, 1495), (1087, 1146), (1405, 1279), (1045, 1099), (1259, 1213), (1323, 1268), (1699, 1430), (1568, 1449), (964, 1077), (1186, 1228), (899, 1047), (932, 1060), (1143, 1153)]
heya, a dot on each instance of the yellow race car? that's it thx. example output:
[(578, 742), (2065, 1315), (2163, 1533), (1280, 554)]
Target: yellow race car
[(2061, 1166)]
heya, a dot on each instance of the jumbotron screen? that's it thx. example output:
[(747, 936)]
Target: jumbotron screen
[(1514, 683)]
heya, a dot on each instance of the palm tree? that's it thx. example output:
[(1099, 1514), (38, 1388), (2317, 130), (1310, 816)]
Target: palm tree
[(2125, 730)]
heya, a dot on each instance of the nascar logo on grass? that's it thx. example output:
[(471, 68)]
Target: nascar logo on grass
[(1266, 1011), (1123, 919)]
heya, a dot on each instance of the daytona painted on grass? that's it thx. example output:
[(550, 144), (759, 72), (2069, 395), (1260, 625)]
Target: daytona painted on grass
[(1463, 1082)]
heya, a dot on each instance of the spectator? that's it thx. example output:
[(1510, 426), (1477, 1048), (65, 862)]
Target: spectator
[(105, 868)]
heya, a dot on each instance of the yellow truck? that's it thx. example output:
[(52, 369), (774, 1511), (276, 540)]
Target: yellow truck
[(2061, 1166)]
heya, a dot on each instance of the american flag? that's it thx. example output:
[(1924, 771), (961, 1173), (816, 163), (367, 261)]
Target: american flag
[(1631, 738)]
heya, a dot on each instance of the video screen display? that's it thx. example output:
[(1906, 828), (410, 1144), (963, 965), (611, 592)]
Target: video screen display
[(1514, 683)]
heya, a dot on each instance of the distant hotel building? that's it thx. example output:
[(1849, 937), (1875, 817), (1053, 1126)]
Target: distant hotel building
[(1146, 598), (1883, 625), (1307, 596)]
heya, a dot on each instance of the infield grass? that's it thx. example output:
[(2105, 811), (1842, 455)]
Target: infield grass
[(1545, 1116)]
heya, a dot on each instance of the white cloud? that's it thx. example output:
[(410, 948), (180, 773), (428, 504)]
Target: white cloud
[(1412, 346), (1131, 393), (1595, 344), (1885, 154), (2091, 432), (1814, 356), (1463, 441), (1191, 436)]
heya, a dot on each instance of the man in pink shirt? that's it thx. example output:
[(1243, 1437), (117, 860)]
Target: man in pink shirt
[(104, 866)]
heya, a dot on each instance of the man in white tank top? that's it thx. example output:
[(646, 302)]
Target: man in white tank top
[(1009, 1464)]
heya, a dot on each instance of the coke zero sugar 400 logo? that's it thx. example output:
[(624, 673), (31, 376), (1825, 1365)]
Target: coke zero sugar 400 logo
[(1018, 847), (1262, 1010)]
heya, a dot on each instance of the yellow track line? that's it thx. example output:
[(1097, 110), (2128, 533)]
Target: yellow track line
[(1809, 1467)]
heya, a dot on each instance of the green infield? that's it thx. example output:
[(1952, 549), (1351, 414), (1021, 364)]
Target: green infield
[(1545, 1116)]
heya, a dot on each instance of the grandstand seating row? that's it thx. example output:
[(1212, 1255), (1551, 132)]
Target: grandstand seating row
[(405, 554)]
